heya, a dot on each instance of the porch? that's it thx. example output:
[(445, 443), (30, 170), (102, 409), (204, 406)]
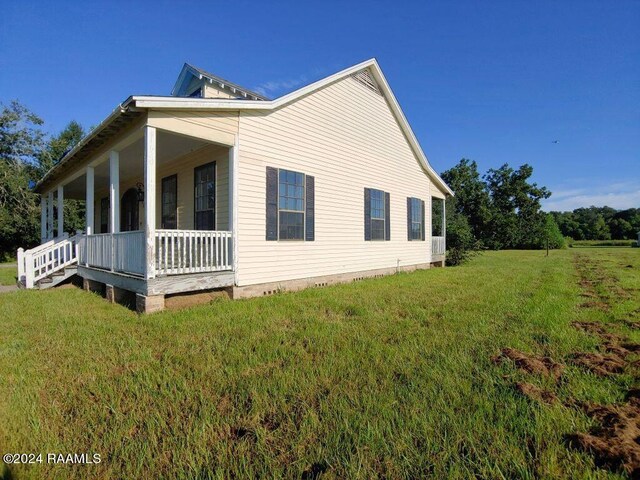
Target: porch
[(159, 214)]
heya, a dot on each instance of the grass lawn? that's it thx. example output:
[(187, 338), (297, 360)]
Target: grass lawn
[(388, 377), (8, 273)]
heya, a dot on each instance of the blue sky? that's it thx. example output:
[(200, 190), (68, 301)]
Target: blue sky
[(492, 81)]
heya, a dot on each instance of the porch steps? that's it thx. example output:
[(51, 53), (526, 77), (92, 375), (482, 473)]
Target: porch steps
[(56, 278)]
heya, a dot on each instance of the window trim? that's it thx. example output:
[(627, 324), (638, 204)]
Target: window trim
[(303, 211), (215, 194), (384, 215), (419, 204), (162, 183)]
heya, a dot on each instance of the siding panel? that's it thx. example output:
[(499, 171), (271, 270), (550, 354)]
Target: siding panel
[(347, 138)]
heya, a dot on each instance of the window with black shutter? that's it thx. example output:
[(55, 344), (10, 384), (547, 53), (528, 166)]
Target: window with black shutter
[(415, 218), (290, 205), (376, 215)]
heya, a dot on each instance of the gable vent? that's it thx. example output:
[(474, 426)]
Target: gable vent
[(364, 77)]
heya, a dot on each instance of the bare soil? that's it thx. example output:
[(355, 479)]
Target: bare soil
[(530, 363), (536, 393), (614, 441)]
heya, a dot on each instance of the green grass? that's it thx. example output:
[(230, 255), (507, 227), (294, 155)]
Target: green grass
[(384, 378), (8, 274), (602, 243)]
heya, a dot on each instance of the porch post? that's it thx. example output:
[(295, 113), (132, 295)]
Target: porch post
[(43, 218), (50, 215), (233, 205), (150, 199), (89, 200), (60, 204), (444, 223), (114, 191)]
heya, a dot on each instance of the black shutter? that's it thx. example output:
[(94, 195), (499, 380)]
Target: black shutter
[(367, 214), (408, 218), (272, 203), (424, 226), (387, 223), (310, 217)]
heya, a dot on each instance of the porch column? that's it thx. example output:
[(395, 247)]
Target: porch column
[(114, 191), (50, 216), (43, 218), (150, 199), (89, 200), (444, 222), (233, 203), (60, 203)]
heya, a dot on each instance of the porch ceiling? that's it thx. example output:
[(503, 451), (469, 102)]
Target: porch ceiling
[(169, 147)]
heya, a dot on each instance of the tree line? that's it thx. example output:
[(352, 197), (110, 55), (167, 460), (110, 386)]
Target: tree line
[(599, 223), (498, 210), (27, 153)]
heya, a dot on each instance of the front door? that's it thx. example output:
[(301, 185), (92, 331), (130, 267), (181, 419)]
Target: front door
[(129, 218)]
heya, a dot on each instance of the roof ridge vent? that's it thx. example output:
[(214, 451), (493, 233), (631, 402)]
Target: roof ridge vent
[(364, 77)]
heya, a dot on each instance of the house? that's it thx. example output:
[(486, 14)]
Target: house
[(218, 187)]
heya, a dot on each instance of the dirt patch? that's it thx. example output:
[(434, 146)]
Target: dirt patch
[(614, 442), (530, 363), (536, 393), (185, 300), (595, 304), (589, 327), (600, 364)]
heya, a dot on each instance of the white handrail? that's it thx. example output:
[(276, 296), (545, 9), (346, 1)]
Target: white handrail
[(438, 246), (43, 260)]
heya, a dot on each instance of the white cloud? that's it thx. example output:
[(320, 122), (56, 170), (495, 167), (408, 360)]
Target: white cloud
[(279, 86), (617, 195)]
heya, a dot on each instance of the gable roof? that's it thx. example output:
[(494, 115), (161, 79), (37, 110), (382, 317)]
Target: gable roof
[(135, 103), (190, 71), (234, 104)]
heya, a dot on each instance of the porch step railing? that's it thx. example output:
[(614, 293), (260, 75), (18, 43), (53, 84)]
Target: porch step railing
[(437, 246), (192, 251), (46, 259)]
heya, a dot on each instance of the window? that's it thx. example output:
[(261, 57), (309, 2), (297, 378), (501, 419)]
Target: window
[(169, 201), (290, 205), (104, 215), (377, 215), (437, 217), (204, 202), (416, 219)]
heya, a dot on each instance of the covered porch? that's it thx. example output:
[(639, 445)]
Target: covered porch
[(159, 203)]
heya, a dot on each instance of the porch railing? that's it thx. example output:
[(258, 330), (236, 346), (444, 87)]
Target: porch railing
[(437, 246), (119, 252), (46, 259), (192, 251), (177, 251)]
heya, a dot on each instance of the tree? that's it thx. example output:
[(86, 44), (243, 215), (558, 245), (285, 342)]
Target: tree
[(472, 198), (516, 215), (56, 147), (460, 241), (25, 156), (21, 143)]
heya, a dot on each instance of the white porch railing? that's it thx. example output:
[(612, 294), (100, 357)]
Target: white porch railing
[(437, 246), (192, 251), (177, 251), (119, 252), (45, 259)]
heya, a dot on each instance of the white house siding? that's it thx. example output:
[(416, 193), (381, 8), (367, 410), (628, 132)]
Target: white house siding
[(184, 168), (346, 136)]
